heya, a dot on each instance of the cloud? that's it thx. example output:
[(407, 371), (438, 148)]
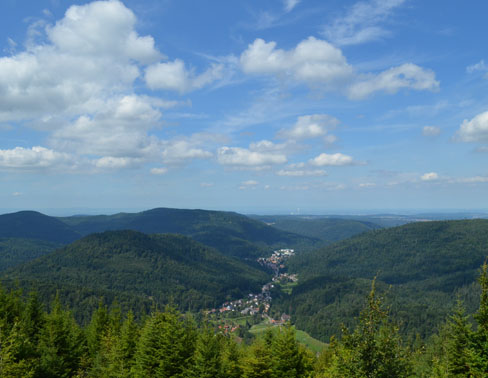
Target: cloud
[(249, 184), (237, 156), (102, 28), (111, 162), (159, 171), (93, 52), (361, 23), (431, 176), (310, 126), (118, 129), (323, 66), (16, 194), (33, 158), (267, 146), (177, 151), (474, 130), (367, 185), (289, 5), (480, 66), (431, 131), (336, 159), (174, 76), (407, 75), (301, 172), (472, 180), (76, 80), (311, 61)]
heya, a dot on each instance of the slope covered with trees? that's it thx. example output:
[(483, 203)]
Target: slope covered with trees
[(328, 230), (34, 225), (39, 343), (138, 269), (16, 251), (424, 266), (231, 233)]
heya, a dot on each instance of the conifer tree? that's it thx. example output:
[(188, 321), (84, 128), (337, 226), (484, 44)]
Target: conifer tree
[(62, 344), (258, 363), (165, 347), (207, 361), (289, 359)]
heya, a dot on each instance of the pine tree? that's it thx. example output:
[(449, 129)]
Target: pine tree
[(62, 344), (258, 363), (289, 359), (207, 358), (374, 348), (231, 364), (165, 347)]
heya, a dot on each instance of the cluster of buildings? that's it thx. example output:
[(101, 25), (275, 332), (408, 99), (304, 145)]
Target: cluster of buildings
[(276, 261), (285, 277), (251, 305), (255, 304)]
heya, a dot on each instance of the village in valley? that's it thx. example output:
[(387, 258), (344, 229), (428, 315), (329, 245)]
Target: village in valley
[(255, 308)]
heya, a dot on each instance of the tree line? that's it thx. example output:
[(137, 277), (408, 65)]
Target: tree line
[(35, 343)]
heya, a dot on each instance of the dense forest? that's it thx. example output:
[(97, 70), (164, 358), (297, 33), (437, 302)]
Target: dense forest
[(425, 266), (231, 233), (138, 269), (39, 343), (328, 230)]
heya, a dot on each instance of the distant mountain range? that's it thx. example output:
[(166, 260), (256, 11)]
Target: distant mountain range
[(329, 230)]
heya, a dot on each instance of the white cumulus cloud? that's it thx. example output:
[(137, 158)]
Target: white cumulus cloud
[(175, 76), (431, 176), (336, 159), (407, 75), (474, 130), (159, 171), (321, 65), (312, 60), (237, 156), (310, 126), (33, 158)]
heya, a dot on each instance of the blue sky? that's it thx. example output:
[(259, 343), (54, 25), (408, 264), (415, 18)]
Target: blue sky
[(259, 107)]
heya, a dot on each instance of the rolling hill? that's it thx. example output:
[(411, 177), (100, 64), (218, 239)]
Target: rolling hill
[(34, 225), (231, 233), (138, 269), (328, 230), (423, 266)]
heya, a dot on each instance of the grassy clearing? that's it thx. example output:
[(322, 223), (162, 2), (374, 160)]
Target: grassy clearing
[(302, 337), (288, 287)]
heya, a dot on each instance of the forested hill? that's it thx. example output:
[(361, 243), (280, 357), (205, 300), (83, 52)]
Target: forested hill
[(231, 233), (136, 269), (427, 263), (34, 225), (328, 230)]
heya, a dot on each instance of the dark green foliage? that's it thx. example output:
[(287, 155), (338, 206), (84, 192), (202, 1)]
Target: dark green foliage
[(62, 344), (207, 358), (34, 225), (374, 349), (16, 251), (138, 269), (166, 346), (231, 233), (427, 264), (328, 230)]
